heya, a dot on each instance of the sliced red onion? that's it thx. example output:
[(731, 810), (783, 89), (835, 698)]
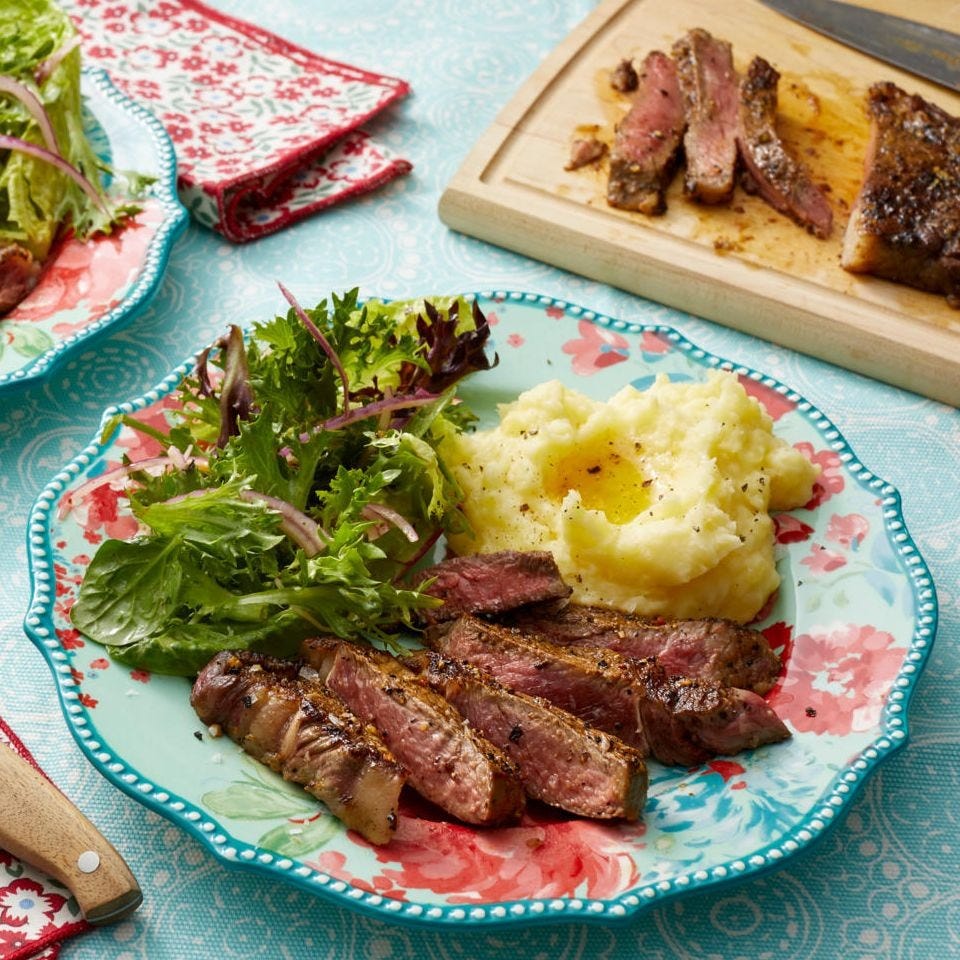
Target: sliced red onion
[(378, 511), (15, 143), (306, 533), (35, 108), (151, 465), (317, 335), (53, 61), (373, 409)]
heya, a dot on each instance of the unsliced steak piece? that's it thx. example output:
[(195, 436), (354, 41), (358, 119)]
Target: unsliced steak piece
[(781, 180), (905, 224), (711, 101), (677, 719), (562, 761), (719, 650), (446, 761), (492, 583), (18, 275), (305, 734), (646, 148)]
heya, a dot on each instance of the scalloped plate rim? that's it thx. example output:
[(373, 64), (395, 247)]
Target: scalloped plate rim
[(831, 806), (158, 250)]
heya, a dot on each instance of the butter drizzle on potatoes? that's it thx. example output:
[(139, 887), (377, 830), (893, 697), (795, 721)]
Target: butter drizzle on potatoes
[(655, 502)]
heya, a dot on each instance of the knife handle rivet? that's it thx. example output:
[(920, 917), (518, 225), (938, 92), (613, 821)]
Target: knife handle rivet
[(88, 861)]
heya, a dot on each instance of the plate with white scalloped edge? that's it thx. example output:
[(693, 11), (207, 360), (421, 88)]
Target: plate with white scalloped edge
[(101, 284), (854, 619)]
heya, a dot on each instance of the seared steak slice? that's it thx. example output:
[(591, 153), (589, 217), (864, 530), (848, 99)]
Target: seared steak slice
[(598, 686), (646, 148), (18, 275), (678, 720), (711, 98), (445, 760), (584, 151), (562, 761), (781, 181), (905, 224), (720, 650), (688, 721), (306, 735), (492, 583)]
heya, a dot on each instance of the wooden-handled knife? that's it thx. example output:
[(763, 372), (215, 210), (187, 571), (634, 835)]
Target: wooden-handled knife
[(40, 826)]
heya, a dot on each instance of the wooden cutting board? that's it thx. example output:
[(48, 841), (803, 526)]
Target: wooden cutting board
[(743, 265)]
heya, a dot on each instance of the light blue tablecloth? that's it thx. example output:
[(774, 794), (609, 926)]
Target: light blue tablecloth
[(883, 883)]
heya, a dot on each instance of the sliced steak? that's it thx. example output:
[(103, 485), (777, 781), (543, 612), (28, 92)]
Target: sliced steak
[(719, 650), (492, 583), (306, 735), (678, 720), (599, 687), (781, 180), (585, 150), (18, 275), (688, 721), (445, 760), (562, 761), (646, 149), (905, 224), (711, 102)]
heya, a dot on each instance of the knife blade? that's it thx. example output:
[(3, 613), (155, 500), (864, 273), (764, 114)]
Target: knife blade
[(40, 826), (926, 51)]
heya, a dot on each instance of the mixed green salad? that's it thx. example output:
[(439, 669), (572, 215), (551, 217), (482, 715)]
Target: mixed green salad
[(49, 174), (298, 484)]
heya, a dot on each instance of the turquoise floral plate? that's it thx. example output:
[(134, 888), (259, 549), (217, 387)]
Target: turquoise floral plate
[(88, 288), (855, 619)]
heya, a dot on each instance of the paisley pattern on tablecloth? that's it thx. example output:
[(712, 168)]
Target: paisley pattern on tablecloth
[(881, 884)]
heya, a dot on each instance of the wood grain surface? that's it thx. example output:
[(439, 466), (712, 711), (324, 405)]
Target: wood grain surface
[(40, 826), (743, 265)]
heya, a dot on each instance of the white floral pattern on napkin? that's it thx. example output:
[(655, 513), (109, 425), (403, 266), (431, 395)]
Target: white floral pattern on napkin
[(266, 132)]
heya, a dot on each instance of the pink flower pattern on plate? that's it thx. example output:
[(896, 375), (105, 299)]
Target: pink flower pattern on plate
[(596, 348), (837, 679), (546, 855)]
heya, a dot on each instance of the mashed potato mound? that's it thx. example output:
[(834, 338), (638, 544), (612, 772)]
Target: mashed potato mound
[(654, 502)]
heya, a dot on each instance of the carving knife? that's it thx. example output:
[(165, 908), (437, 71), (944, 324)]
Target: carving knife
[(926, 51), (40, 826)]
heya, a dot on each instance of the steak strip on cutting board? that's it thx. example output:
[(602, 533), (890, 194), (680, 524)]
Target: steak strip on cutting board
[(305, 734), (711, 101), (646, 147), (446, 761), (781, 180)]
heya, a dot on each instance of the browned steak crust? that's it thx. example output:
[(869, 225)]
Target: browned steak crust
[(905, 224), (305, 734), (781, 180), (447, 761)]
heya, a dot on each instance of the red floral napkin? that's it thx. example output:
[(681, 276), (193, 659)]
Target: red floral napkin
[(265, 132), (36, 913)]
